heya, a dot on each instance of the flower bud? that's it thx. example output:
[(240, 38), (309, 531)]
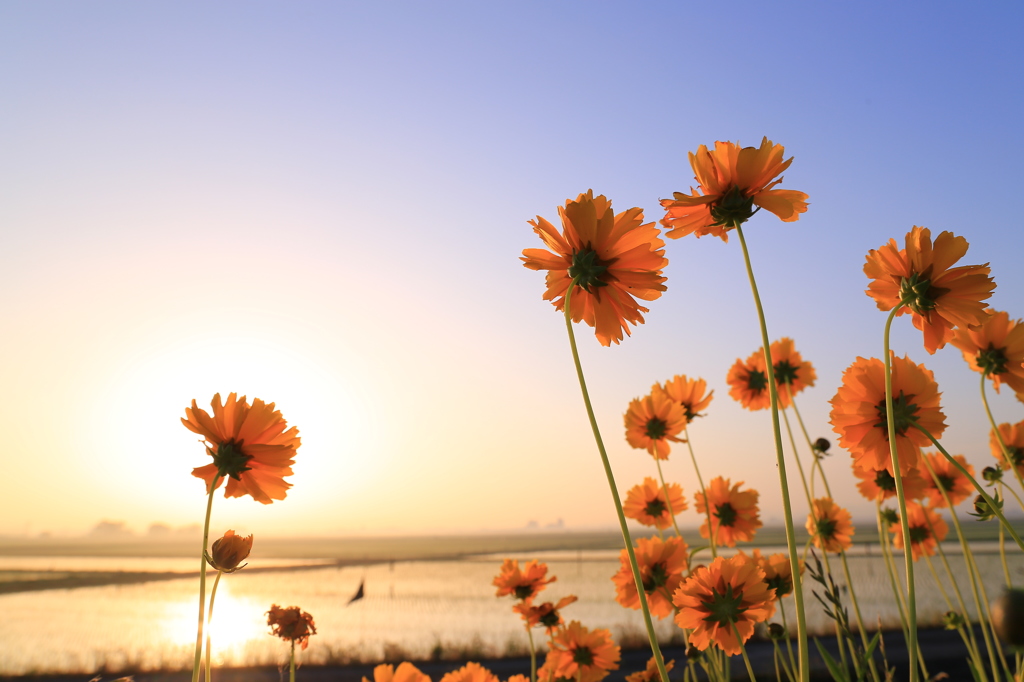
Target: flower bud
[(992, 474), (776, 631), (229, 551), (693, 653), (1008, 617), (889, 516), (952, 620), (983, 510), (822, 445)]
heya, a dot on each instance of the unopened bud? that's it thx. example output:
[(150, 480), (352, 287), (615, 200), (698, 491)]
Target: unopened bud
[(983, 510), (1008, 617), (776, 631), (693, 653), (992, 474), (952, 620), (822, 445)]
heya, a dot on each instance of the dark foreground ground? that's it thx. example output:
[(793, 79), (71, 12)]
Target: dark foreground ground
[(944, 653)]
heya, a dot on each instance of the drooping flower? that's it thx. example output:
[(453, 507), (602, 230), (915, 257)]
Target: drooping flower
[(730, 592), (406, 672), (252, 447), (291, 624), (614, 259), (229, 551), (661, 564), (471, 672), (547, 614), (689, 393), (578, 650), (878, 484), (651, 672), (996, 349), (957, 486), (939, 296), (646, 503), (731, 180), (1013, 436), (748, 382), (652, 422), (830, 526), (927, 529), (734, 515), (522, 584), (859, 415), (792, 373)]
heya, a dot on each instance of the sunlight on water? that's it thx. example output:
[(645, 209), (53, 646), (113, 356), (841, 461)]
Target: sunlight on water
[(235, 621)]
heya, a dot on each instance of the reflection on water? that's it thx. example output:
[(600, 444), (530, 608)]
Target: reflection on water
[(409, 606)]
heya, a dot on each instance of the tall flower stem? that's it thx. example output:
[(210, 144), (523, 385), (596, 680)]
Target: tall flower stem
[(533, 655), (655, 649), (202, 582), (703, 491), (801, 618), (668, 500), (999, 436), (1002, 550), (209, 619), (743, 650), (291, 664), (890, 423), (883, 539), (967, 631)]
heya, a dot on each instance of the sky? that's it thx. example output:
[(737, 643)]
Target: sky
[(323, 205)]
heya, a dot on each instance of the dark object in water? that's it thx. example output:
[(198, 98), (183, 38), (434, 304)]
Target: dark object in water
[(360, 593)]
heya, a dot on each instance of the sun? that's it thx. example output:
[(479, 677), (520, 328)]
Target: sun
[(235, 622)]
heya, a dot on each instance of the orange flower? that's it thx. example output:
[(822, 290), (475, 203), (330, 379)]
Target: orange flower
[(406, 672), (577, 650), (859, 416), (291, 624), (830, 526), (957, 486), (927, 529), (920, 275), (732, 180), (661, 564), (734, 514), (748, 382), (524, 584), (715, 598), (613, 258), (792, 373), (778, 572), (547, 614), (878, 484), (471, 672), (229, 551), (646, 503), (651, 673), (690, 394), (1013, 436), (653, 421), (996, 349), (250, 447)]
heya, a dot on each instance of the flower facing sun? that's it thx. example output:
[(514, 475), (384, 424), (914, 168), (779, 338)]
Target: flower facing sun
[(661, 563), (291, 624), (956, 486), (1013, 436), (927, 529), (830, 526), (939, 296), (646, 503), (575, 650), (614, 259), (734, 515), (522, 584), (689, 393), (714, 599), (859, 415), (996, 349), (748, 382), (731, 181), (652, 422), (547, 614)]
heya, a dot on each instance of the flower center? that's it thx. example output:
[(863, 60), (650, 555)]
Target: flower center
[(550, 619), (1016, 455), (782, 584), (826, 528), (919, 534), (583, 656), (885, 481), (524, 591), (656, 507), (757, 380), (889, 516), (724, 608), (785, 373), (230, 459), (946, 481), (918, 294), (587, 269), (657, 578), (656, 428), (992, 360), (903, 411), (690, 414), (726, 514), (733, 209)]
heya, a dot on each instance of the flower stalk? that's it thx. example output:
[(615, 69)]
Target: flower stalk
[(197, 662)]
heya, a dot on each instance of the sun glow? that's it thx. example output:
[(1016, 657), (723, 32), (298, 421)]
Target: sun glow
[(235, 621)]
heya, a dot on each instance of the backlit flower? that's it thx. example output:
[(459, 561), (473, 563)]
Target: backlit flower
[(229, 551), (778, 572), (661, 564), (859, 415), (646, 503), (939, 297), (734, 516), (690, 394), (522, 584), (792, 373), (652, 422), (591, 654), (748, 382), (878, 484), (252, 447), (291, 624), (471, 672), (830, 526), (730, 592), (406, 672), (614, 259), (731, 180), (927, 529), (651, 673), (1013, 436), (957, 486), (996, 349), (547, 614)]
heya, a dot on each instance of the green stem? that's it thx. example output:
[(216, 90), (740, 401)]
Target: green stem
[(798, 596), (796, 456), (1002, 549), (291, 664), (789, 641), (668, 499), (999, 437), (743, 650), (856, 613), (703, 491), (890, 567), (901, 498), (533, 655), (839, 631), (202, 582), (655, 649), (209, 619)]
